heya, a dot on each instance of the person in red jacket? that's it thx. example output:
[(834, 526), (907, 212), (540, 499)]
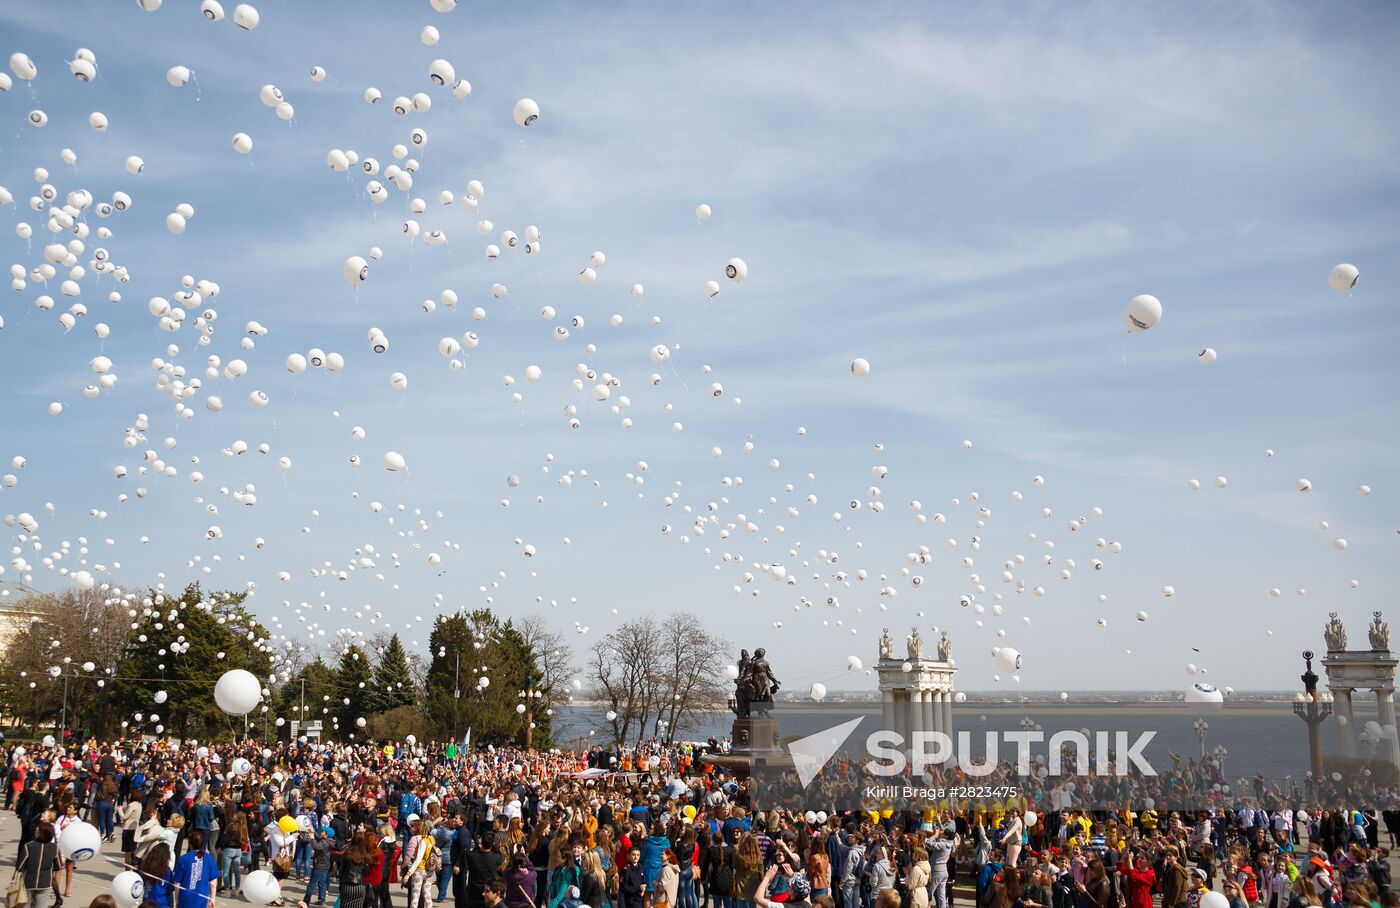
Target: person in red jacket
[(1139, 879)]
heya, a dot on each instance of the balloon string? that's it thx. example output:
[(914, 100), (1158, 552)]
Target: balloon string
[(1126, 335)]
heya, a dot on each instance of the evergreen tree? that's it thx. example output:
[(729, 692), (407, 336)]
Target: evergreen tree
[(393, 683), (355, 678), (317, 687), (183, 647)]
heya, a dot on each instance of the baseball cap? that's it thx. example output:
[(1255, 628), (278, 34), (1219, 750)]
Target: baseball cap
[(1200, 873)]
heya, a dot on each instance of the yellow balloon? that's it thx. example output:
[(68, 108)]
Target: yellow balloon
[(287, 825), (689, 811)]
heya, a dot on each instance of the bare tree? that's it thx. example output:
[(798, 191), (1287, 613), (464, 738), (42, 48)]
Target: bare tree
[(622, 667), (553, 656), (691, 662)]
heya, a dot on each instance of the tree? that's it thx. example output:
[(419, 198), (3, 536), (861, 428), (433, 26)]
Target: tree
[(308, 695), (393, 685), (87, 628), (692, 660), (355, 677), (553, 655), (466, 647), (655, 677), (621, 666), (183, 647)]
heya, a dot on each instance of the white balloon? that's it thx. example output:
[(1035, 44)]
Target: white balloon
[(97, 120), (429, 35), (860, 367), (128, 889), (1008, 659), (818, 691), (23, 67), (1143, 312), (261, 887), (440, 72), (526, 112), (1204, 696), (394, 461), (355, 269), (1343, 277), (79, 841), (736, 270), (702, 212), (245, 16), (1207, 356), (178, 76), (237, 692), (212, 10), (242, 142)]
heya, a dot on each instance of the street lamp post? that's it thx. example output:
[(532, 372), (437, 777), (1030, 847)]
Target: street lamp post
[(1220, 753), (1313, 708), (528, 700), (1201, 726)]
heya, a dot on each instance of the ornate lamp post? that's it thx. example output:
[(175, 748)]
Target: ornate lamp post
[(1201, 726), (1220, 753), (1313, 708)]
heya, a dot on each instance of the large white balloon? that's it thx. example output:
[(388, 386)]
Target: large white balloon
[(1143, 312), (1204, 696), (240, 766), (79, 841), (261, 888), (237, 692), (1343, 277), (128, 889), (1008, 659), (818, 691)]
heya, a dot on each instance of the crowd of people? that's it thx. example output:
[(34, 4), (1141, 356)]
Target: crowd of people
[(410, 825)]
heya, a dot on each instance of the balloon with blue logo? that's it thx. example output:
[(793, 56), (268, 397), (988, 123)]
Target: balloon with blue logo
[(79, 841)]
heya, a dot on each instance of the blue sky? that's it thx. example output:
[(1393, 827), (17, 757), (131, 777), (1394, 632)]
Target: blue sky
[(967, 197)]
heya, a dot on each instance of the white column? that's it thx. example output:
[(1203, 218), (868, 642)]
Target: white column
[(1385, 705), (1346, 731), (948, 715), (901, 717), (887, 709), (930, 711), (916, 715)]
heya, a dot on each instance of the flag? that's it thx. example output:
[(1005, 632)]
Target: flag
[(467, 742)]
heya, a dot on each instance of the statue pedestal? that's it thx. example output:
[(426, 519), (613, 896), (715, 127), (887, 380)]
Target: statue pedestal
[(755, 735), (756, 746)]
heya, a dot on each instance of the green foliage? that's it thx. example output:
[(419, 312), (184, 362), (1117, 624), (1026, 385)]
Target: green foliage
[(355, 677), (317, 687), (393, 682), (468, 646), (394, 725), (216, 630)]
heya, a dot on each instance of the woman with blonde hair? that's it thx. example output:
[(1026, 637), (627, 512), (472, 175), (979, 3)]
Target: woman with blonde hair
[(418, 859), (918, 879), (594, 884)]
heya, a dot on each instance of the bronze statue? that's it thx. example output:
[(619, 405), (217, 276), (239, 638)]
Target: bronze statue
[(755, 686)]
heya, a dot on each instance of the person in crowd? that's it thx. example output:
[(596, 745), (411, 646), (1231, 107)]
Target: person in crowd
[(39, 863)]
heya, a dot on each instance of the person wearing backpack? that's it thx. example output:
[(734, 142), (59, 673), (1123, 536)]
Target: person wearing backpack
[(717, 868)]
